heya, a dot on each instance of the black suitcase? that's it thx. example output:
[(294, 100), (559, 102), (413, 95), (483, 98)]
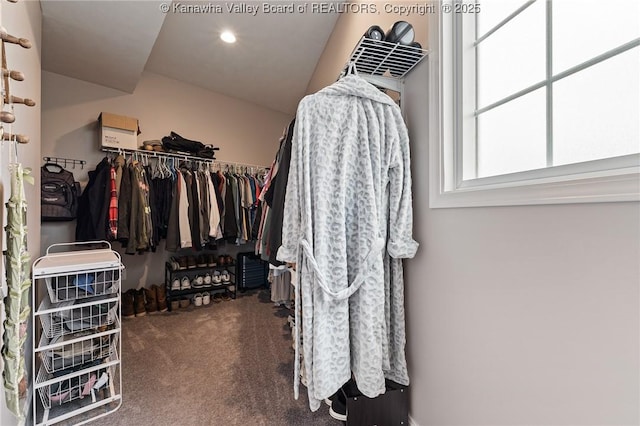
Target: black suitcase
[(252, 271)]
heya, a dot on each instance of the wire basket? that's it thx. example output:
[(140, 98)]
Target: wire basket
[(82, 285), (71, 387), (76, 353), (377, 57), (72, 318)]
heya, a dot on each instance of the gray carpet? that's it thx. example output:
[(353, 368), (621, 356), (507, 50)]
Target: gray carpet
[(229, 363)]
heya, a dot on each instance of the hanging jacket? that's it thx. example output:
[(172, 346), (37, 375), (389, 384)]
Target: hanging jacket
[(275, 196), (93, 205), (195, 213), (184, 211), (124, 206), (217, 180), (230, 230), (135, 216), (173, 224), (203, 189)]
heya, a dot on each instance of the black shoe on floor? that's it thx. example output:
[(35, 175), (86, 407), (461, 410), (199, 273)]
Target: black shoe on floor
[(338, 408)]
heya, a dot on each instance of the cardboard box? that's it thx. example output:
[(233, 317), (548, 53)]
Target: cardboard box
[(118, 131)]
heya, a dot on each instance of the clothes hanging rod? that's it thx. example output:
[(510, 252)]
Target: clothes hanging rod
[(178, 156), (157, 154), (233, 163)]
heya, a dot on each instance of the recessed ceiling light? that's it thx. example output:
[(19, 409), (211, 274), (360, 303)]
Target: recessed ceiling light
[(228, 37)]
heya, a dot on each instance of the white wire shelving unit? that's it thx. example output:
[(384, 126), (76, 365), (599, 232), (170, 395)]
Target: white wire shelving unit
[(76, 358)]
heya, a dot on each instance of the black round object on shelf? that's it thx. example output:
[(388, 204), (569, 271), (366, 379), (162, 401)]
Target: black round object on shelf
[(416, 45), (402, 32), (375, 33)]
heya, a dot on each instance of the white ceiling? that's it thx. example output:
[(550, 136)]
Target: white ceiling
[(112, 42), (103, 42)]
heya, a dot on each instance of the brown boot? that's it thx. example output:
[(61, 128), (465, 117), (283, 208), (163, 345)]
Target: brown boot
[(161, 297), (138, 303), (126, 307), (152, 299)]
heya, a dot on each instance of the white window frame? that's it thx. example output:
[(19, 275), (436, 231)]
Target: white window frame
[(619, 181)]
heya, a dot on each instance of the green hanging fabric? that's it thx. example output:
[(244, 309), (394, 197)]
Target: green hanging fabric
[(17, 307)]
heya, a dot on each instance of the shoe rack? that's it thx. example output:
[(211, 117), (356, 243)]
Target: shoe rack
[(187, 276), (76, 333)]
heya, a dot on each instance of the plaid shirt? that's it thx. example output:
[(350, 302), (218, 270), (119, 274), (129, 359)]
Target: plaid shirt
[(113, 206)]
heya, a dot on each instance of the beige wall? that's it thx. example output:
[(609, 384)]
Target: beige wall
[(23, 19), (520, 315), (244, 132)]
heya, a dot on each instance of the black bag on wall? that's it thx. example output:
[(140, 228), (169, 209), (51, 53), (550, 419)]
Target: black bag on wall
[(59, 195)]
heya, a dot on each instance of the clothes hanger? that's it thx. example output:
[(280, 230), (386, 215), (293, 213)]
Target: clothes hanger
[(352, 68), (167, 172), (155, 170)]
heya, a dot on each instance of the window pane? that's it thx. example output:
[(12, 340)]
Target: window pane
[(513, 57), (596, 112), (583, 29), (512, 137), (492, 12)]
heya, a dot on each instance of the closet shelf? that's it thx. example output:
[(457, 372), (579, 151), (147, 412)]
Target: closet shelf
[(376, 57)]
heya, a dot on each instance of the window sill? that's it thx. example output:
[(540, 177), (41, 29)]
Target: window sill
[(624, 186)]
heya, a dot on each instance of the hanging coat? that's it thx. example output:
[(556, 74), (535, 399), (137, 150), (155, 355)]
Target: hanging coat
[(348, 207), (275, 196), (93, 205)]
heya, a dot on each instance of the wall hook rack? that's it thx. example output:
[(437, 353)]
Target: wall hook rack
[(65, 161)]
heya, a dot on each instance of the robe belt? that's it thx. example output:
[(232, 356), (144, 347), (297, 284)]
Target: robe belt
[(376, 248)]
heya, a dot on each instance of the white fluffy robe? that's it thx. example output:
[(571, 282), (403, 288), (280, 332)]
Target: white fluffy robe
[(348, 222)]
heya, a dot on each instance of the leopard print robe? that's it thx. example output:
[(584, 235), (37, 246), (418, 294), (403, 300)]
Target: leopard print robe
[(348, 223)]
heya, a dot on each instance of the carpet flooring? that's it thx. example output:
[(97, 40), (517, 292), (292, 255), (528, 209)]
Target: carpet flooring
[(229, 363)]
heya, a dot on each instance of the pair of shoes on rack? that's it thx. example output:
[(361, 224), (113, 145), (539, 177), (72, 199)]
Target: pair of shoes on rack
[(197, 282), (207, 280), (211, 260), (178, 263), (173, 264), (200, 299), (225, 259), (185, 283), (197, 299), (191, 262), (175, 284), (202, 261)]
